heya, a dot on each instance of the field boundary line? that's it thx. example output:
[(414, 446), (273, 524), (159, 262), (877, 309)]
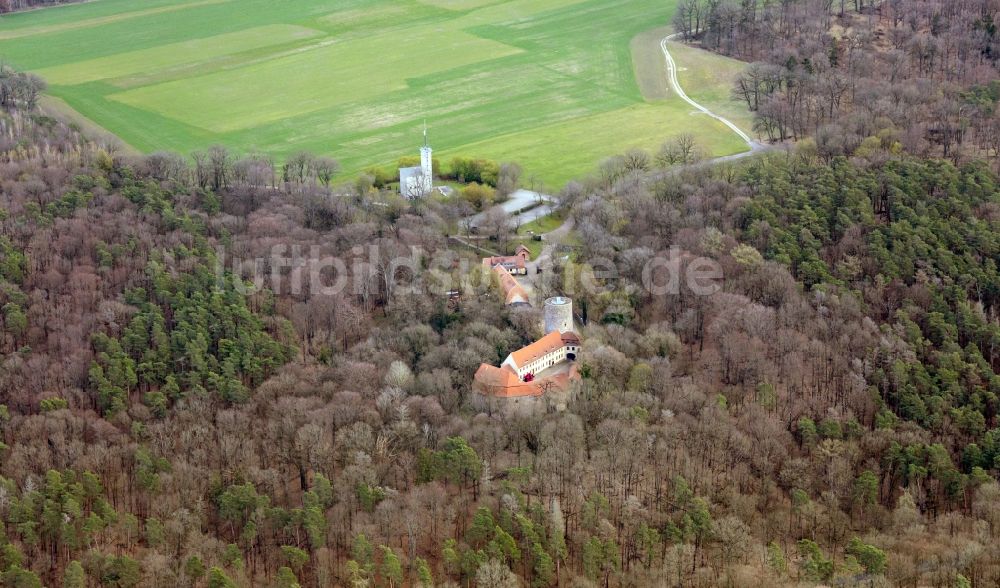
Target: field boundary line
[(59, 109), (18, 33)]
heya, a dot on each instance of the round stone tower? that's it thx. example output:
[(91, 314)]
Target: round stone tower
[(558, 314)]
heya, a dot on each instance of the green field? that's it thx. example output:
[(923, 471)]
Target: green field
[(556, 85)]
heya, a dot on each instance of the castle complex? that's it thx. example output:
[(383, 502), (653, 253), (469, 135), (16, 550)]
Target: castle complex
[(543, 366)]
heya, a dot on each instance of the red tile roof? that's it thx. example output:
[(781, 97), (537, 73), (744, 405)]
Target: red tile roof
[(546, 344), (514, 260), (502, 382), (512, 290)]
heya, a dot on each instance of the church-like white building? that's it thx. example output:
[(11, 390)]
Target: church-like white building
[(415, 182)]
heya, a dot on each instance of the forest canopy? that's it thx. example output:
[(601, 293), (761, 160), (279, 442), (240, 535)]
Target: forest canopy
[(828, 416)]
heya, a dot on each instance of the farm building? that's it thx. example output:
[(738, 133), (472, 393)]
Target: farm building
[(515, 264), (513, 293)]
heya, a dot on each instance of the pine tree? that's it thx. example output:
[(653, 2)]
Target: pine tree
[(391, 569), (480, 532), (363, 553), (544, 568), (218, 579), (286, 578), (74, 576), (424, 577)]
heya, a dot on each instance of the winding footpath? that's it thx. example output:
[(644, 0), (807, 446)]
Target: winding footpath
[(553, 237), (676, 86)]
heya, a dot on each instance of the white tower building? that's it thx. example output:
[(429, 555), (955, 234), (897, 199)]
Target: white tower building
[(427, 164), (418, 181), (558, 315)]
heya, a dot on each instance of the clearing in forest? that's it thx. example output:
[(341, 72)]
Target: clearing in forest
[(554, 84)]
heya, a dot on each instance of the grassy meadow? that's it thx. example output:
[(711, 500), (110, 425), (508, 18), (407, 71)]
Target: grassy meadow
[(556, 85)]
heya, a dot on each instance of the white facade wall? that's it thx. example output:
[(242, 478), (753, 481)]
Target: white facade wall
[(548, 360)]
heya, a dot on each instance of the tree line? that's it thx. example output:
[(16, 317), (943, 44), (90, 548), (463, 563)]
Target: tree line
[(918, 73), (829, 416), (16, 5)]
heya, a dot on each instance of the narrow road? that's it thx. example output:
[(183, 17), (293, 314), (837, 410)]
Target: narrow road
[(676, 86), (552, 239), (519, 200), (468, 243)]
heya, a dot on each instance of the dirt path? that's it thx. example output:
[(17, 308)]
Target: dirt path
[(468, 243), (676, 86), (553, 238)]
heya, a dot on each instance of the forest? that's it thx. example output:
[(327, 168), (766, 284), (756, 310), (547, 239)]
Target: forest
[(829, 416), (921, 73)]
